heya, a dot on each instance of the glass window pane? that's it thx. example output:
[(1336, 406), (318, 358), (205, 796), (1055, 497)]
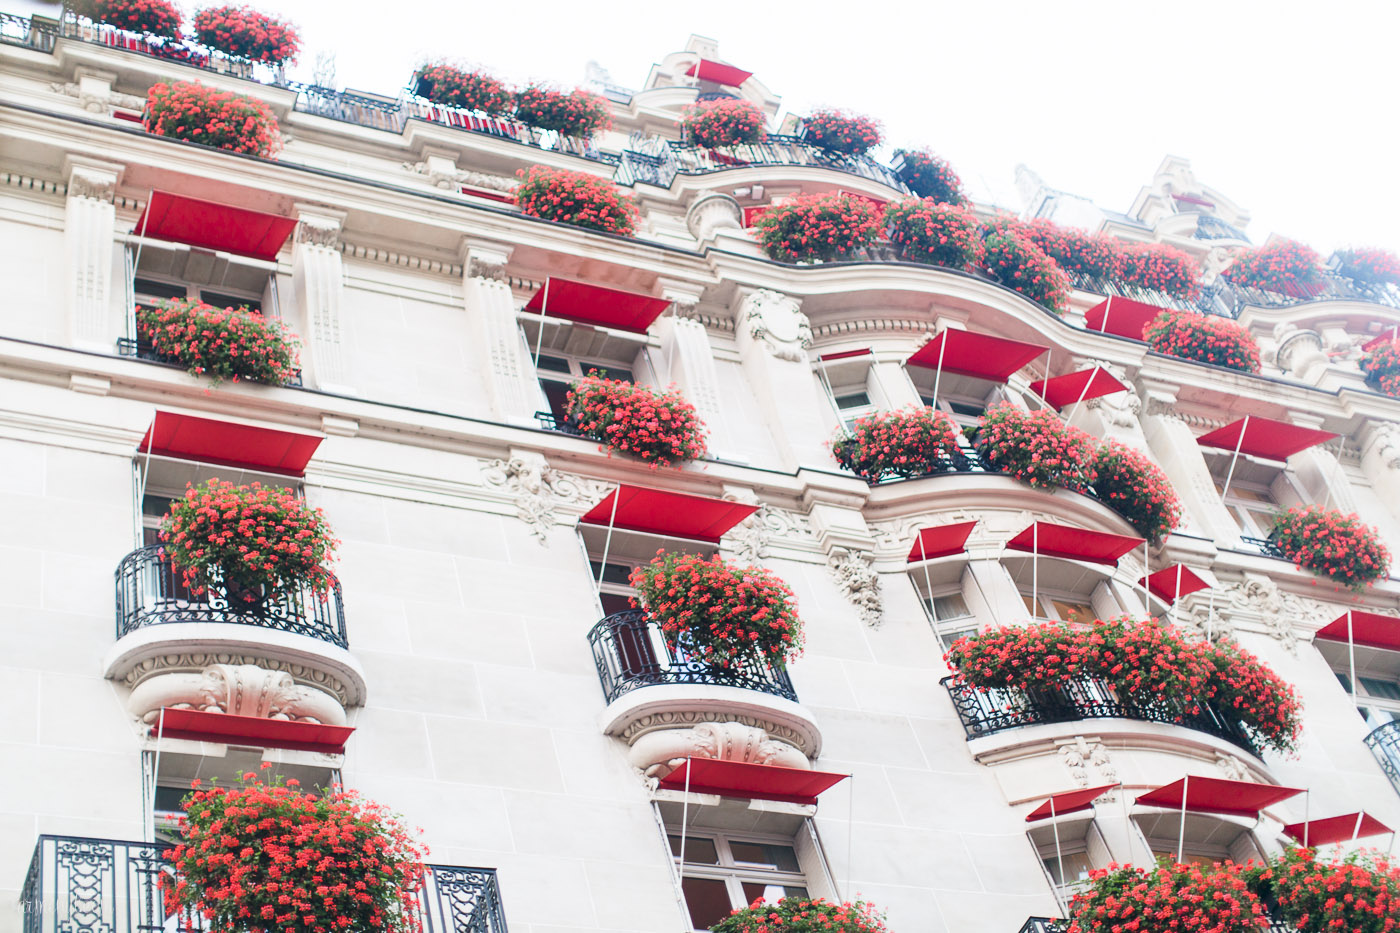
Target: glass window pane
[(1076, 867), (608, 370), (149, 288), (553, 364), (770, 893), (849, 400), (614, 572), (557, 395), (950, 606), (230, 301), (1381, 689), (782, 858), (698, 849), (1030, 605), (1069, 611), (708, 900)]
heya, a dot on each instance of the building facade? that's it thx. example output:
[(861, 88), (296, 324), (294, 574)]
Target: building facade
[(467, 644)]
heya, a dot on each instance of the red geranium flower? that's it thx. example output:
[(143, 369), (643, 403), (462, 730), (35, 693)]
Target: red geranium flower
[(243, 32), (1204, 338), (198, 113), (576, 198), (818, 227), (221, 343), (469, 90), (722, 123), (659, 428)]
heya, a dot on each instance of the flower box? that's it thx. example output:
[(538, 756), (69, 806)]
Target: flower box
[(201, 114), (1037, 447), (803, 915), (1331, 544), (148, 17), (659, 428), (245, 33), (1381, 365), (928, 176), (451, 86), (724, 123), (1176, 897), (1368, 266), (1020, 265), (221, 343), (935, 233), (1357, 892), (821, 227), (577, 113), (1204, 338), (576, 198), (1160, 268), (1284, 267), (1137, 489), (837, 132), (905, 443)]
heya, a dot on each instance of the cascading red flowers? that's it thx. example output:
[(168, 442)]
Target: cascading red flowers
[(1035, 447), (1020, 265), (1381, 364), (659, 428), (151, 17), (1283, 266), (1176, 898), (1369, 266), (908, 442), (253, 539), (719, 612), (221, 343), (1332, 544), (1137, 489), (1096, 255), (929, 176), (818, 227), (576, 198), (1355, 893), (720, 124), (451, 86), (264, 857), (577, 113), (1204, 338), (243, 32), (198, 113), (1161, 268), (803, 915), (938, 234), (841, 132)]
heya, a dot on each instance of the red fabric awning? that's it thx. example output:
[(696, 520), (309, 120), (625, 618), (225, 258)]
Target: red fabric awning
[(1075, 387), (1171, 582), (210, 225), (750, 781), (1385, 336), (1065, 541), (874, 202), (243, 446), (751, 214), (980, 355), (594, 304), (940, 541), (1368, 629), (1264, 437), (1071, 801), (228, 729), (672, 514), (1336, 829), (1218, 795), (843, 355), (707, 70), (1121, 316)]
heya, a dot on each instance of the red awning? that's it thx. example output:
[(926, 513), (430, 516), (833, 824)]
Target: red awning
[(1264, 437), (1077, 387), (940, 541), (209, 225), (1071, 801), (254, 731), (1171, 582), (1336, 829), (243, 446), (751, 214), (843, 355), (1218, 795), (750, 781), (672, 514), (718, 72), (1385, 336), (1121, 316), (594, 304), (1050, 540), (1368, 629), (980, 355)]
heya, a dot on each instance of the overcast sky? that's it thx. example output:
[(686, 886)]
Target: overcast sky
[(1289, 108)]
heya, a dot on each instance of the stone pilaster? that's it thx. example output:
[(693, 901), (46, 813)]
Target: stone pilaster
[(318, 281), (1176, 451), (1380, 462), (95, 293), (511, 385), (773, 337), (689, 362)]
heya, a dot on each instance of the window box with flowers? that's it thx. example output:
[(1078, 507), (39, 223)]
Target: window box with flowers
[(1358, 892), (221, 343), (576, 198), (928, 176), (1204, 338), (935, 233), (1192, 898), (149, 17), (1036, 447), (1160, 268), (1368, 266), (905, 443), (1381, 365), (451, 86), (658, 428), (1331, 544), (1137, 489), (1020, 265), (248, 34), (198, 113), (818, 227), (804, 915), (576, 113), (840, 133), (723, 123), (1096, 256), (1285, 267)]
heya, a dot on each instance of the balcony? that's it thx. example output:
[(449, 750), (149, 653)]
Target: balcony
[(110, 885), (985, 713), (140, 350), (658, 161), (1384, 743), (1050, 925)]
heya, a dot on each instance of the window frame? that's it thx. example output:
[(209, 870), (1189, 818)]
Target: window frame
[(729, 870)]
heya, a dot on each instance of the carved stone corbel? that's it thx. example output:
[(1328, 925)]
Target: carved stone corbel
[(860, 584), (236, 689), (659, 753)]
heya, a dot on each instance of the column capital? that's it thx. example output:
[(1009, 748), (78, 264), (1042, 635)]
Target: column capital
[(92, 178), (318, 225), (485, 258)]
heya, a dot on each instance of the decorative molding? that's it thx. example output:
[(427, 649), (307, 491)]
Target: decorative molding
[(1276, 610), (94, 102), (318, 230), (860, 584), (676, 719), (479, 267), (236, 689), (777, 321), (867, 326), (30, 183), (1231, 768), (390, 258), (1081, 756), (90, 182), (538, 489), (444, 174), (659, 752), (749, 540), (711, 322), (197, 662)]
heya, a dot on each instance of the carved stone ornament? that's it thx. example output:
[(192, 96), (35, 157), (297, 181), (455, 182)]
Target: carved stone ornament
[(1088, 761), (777, 320), (538, 490), (659, 753), (197, 662), (1204, 622), (749, 540), (678, 719), (859, 583), (451, 178), (93, 183), (1120, 409), (236, 689), (479, 267), (1231, 768), (318, 231), (1385, 440), (1276, 610), (94, 102)]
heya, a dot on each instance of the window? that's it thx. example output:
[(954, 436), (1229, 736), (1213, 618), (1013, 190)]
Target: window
[(951, 617), (556, 373), (615, 589), (1057, 608), (1377, 694), (1258, 490), (963, 398), (1252, 507), (1207, 838), (1062, 590), (851, 403), (851, 386), (160, 271), (721, 873)]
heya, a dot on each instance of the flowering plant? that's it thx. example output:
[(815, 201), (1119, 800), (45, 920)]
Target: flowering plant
[(222, 343), (1022, 266), (252, 537), (1204, 338), (929, 176), (1161, 268), (245, 33), (842, 133), (1284, 266), (197, 113), (1332, 544), (1356, 893), (718, 124), (909, 442), (660, 428), (1137, 489), (1369, 266), (1098, 255), (1035, 447), (152, 17), (818, 226), (937, 234), (450, 86), (1177, 898), (724, 614), (576, 113), (262, 857), (1381, 364), (576, 198), (803, 915)]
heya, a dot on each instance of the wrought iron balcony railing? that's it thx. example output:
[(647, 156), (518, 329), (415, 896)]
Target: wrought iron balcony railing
[(1384, 743), (129, 346), (658, 161), (112, 886), (1050, 925), (631, 652), (38, 34), (182, 50), (989, 712), (1266, 546), (151, 592)]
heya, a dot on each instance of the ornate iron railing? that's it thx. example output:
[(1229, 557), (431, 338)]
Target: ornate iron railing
[(82, 885), (991, 711), (967, 460), (1043, 925), (503, 128), (35, 34), (1333, 287), (151, 592), (183, 50), (1384, 743), (630, 651), (1266, 546), (658, 161), (139, 349)]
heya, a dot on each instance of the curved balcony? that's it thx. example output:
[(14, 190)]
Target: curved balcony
[(657, 161), (1384, 743)]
